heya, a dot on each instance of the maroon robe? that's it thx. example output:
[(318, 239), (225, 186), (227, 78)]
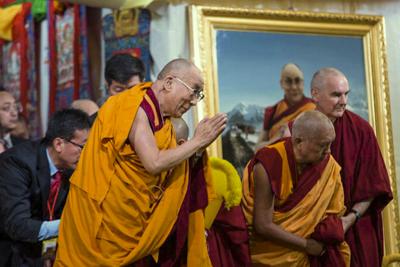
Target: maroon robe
[(269, 112), (174, 251), (330, 230), (228, 239), (364, 176)]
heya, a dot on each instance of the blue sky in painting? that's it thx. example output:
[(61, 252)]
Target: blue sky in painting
[(249, 65)]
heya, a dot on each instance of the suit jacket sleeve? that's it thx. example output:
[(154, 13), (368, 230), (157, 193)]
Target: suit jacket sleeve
[(15, 206)]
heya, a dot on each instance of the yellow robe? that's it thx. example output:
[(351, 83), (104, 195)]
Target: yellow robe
[(281, 107), (325, 198), (116, 212)]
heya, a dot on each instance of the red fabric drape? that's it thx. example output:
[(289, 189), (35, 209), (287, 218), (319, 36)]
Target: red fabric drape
[(77, 52), (20, 35), (52, 57)]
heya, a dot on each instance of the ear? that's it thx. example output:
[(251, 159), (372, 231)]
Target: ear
[(58, 144), (167, 82), (181, 141), (314, 93), (281, 83)]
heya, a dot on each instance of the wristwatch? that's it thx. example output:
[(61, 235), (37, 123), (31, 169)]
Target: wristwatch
[(356, 213)]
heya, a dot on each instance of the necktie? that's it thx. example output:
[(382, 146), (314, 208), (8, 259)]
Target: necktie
[(54, 189)]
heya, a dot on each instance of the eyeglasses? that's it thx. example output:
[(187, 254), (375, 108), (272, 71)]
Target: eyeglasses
[(197, 93), (75, 144), (17, 107), (296, 81)]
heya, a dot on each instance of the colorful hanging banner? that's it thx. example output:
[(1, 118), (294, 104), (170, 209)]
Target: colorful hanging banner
[(132, 35), (68, 57)]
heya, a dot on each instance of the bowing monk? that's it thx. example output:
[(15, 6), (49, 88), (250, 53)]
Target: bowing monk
[(287, 109), (131, 182), (364, 176), (293, 199)]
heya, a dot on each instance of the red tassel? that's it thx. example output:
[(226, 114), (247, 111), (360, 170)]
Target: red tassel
[(52, 57), (20, 35), (77, 52)]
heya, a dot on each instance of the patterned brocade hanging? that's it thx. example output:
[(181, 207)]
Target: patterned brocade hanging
[(18, 68), (128, 31), (68, 57)]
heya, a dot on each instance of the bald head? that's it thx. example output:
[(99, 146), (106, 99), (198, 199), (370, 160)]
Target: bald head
[(178, 87), (329, 89), (292, 83), (181, 130), (291, 69), (312, 125), (323, 76), (86, 105), (177, 67), (312, 135)]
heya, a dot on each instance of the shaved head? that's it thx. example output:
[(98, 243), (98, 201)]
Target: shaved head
[(312, 136), (330, 89), (176, 67), (178, 87), (292, 83), (291, 69), (312, 125), (181, 130), (321, 77), (86, 105)]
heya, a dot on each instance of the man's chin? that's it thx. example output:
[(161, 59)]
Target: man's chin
[(11, 126), (339, 113), (72, 166)]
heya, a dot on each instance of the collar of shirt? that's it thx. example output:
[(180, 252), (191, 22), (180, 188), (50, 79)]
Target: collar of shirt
[(53, 168), (7, 139)]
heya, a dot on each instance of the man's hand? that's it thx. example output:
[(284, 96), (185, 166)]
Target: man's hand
[(314, 248), (209, 129), (348, 221), (47, 263)]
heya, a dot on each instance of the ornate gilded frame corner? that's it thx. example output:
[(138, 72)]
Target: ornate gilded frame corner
[(205, 21)]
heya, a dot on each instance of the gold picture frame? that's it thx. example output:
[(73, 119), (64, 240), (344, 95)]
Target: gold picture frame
[(205, 22)]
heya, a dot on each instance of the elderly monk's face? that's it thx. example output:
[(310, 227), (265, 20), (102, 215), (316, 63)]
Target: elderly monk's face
[(70, 150), (332, 99), (315, 150), (292, 83), (187, 90)]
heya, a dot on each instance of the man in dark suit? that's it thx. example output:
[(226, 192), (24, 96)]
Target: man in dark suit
[(34, 186)]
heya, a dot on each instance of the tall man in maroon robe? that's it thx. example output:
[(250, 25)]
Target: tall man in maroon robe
[(364, 176)]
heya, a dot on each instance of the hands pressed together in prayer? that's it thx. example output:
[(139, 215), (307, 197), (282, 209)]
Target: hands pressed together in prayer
[(209, 129)]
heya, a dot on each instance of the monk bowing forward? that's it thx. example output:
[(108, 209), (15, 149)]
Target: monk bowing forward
[(293, 199), (132, 179)]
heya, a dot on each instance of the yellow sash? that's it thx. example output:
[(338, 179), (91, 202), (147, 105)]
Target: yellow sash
[(325, 198)]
